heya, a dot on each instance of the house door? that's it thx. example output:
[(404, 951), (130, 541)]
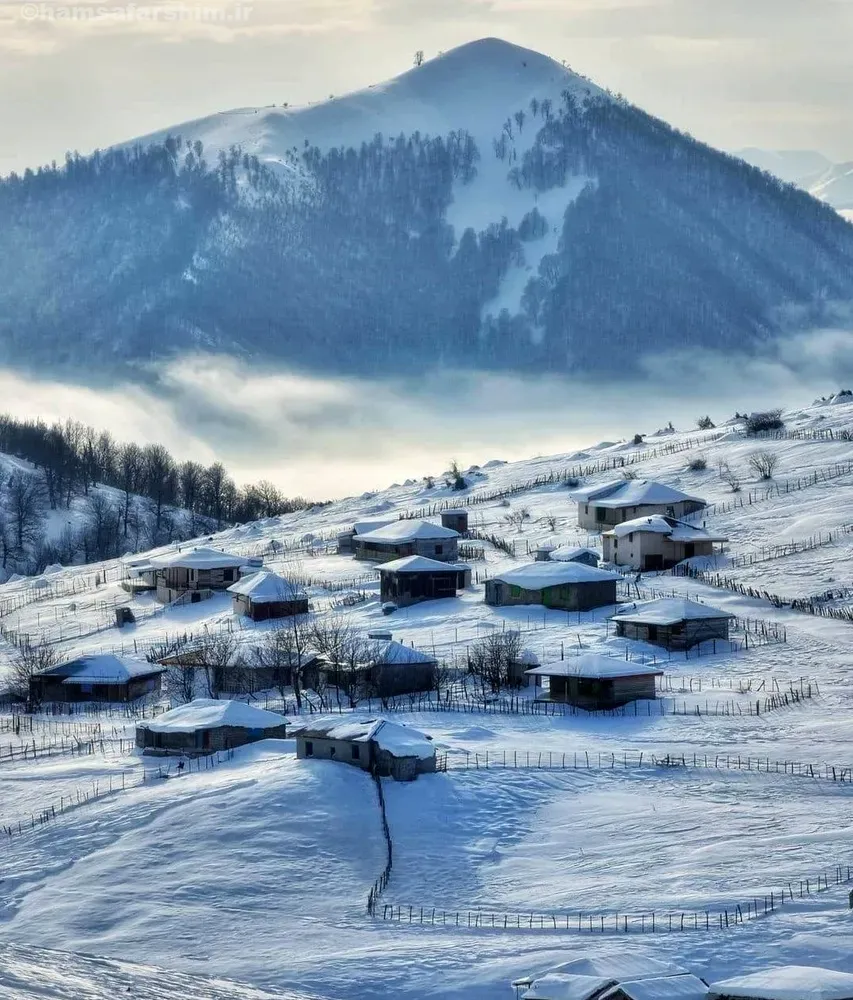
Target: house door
[(689, 550), (652, 562)]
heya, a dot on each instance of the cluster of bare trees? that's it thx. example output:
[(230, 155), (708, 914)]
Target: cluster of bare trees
[(149, 488), (763, 463), (492, 659)]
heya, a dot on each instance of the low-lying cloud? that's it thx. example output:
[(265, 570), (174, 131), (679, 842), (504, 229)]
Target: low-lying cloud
[(330, 437)]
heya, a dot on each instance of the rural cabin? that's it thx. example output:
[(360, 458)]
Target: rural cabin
[(345, 538), (672, 622), (416, 578), (195, 572), (264, 595), (657, 542), (387, 749), (590, 978), (595, 682), (455, 518), (578, 554), (601, 507), (254, 670), (571, 586), (386, 668), (788, 982), (408, 538), (97, 677), (686, 987), (207, 725)]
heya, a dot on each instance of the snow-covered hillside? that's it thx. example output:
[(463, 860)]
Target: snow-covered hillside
[(812, 171), (257, 868)]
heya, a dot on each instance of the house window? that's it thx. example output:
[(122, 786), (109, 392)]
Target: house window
[(586, 508), (228, 575), (309, 748), (439, 549), (356, 753), (670, 511), (631, 536), (332, 751)]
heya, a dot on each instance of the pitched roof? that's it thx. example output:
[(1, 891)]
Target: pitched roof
[(201, 558), (677, 531), (560, 986), (669, 611), (569, 554), (540, 575), (209, 713), (420, 564), (362, 527), (103, 668), (788, 982), (687, 987), (631, 493), (266, 587), (398, 739), (594, 666), (391, 651), (620, 967), (408, 530)]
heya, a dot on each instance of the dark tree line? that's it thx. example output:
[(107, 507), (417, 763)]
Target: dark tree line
[(154, 498)]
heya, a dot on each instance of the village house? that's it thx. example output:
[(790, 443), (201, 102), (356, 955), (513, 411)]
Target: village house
[(206, 725), (264, 595), (788, 982), (601, 507), (578, 553), (345, 538), (387, 749), (408, 538), (571, 586), (455, 518), (97, 677), (385, 668), (672, 622), (657, 542), (595, 682), (416, 578), (196, 573), (686, 987), (590, 978)]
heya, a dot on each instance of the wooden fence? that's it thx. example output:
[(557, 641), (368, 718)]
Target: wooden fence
[(36, 750)]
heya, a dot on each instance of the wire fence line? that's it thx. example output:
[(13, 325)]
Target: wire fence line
[(111, 785), (63, 748), (613, 922)]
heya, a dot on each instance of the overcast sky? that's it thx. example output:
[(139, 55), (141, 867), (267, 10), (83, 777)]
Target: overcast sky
[(771, 73)]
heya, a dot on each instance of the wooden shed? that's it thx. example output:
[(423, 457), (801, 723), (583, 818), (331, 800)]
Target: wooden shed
[(568, 585), (576, 553), (657, 542), (99, 677), (264, 595), (207, 725), (416, 578), (387, 749), (786, 982), (672, 622), (601, 507), (595, 682), (455, 518), (194, 572), (408, 538)]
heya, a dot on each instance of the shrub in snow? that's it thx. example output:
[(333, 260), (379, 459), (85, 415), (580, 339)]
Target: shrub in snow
[(705, 423), (766, 420), (638, 439), (729, 477), (698, 463), (572, 482), (763, 463)]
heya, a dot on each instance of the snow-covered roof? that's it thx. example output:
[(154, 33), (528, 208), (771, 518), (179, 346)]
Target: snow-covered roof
[(687, 987), (104, 668), (265, 587), (209, 713), (201, 558), (455, 511), (539, 575), (788, 982), (560, 986), (408, 530), (631, 493), (362, 527), (391, 651), (569, 554), (594, 666), (620, 967), (420, 564), (669, 611), (394, 737), (678, 531)]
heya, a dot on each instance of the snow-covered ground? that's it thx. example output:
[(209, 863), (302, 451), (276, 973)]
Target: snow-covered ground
[(258, 870)]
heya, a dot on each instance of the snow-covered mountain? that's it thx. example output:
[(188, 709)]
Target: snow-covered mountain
[(810, 170), (488, 209)]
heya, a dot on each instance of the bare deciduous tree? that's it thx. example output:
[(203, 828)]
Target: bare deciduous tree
[(30, 659), (490, 659), (763, 463), (729, 477)]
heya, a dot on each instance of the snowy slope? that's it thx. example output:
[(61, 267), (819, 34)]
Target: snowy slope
[(812, 171)]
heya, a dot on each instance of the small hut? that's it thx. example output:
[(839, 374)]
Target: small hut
[(595, 683), (455, 518), (416, 578), (672, 622), (787, 982), (195, 572), (265, 595), (543, 551), (588, 978), (388, 749), (101, 677), (686, 987), (578, 554), (386, 668), (567, 585), (346, 538), (207, 725), (408, 537)]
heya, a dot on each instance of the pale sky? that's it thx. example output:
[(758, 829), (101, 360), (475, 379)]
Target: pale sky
[(770, 73)]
